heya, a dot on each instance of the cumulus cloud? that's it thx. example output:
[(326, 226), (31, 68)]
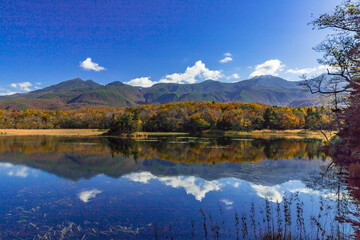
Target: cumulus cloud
[(271, 67), (86, 196), (275, 66), (7, 93), (22, 86), (226, 59), (193, 186), (192, 74), (301, 71), (88, 64), (314, 70), (326, 67), (233, 76), (141, 82)]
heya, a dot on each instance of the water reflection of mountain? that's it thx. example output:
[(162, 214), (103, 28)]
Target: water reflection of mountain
[(76, 158)]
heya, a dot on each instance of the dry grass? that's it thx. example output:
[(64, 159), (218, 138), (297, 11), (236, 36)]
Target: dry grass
[(73, 132), (300, 133), (51, 132), (166, 133), (295, 133)]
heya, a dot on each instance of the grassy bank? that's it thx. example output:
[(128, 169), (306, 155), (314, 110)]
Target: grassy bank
[(296, 133), (51, 132), (300, 133), (72, 132)]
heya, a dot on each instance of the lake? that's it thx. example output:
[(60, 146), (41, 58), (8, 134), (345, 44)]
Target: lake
[(172, 187)]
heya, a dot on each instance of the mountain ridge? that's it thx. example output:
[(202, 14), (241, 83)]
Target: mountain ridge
[(77, 93)]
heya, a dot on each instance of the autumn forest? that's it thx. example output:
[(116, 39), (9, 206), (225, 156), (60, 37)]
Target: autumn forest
[(175, 117)]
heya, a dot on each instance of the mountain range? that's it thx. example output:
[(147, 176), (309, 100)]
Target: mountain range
[(77, 93)]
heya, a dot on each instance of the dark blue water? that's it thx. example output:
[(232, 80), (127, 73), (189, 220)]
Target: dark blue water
[(185, 188)]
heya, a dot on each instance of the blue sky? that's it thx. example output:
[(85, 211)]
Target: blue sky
[(143, 42)]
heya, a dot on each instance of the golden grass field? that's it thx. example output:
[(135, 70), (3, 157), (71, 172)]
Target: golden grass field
[(70, 132), (300, 133), (52, 132), (295, 133)]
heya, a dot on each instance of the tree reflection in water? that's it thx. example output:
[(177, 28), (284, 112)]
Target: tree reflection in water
[(339, 180), (263, 164), (347, 175)]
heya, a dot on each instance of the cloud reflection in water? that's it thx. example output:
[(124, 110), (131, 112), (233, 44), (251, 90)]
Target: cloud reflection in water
[(22, 172), (197, 187), (86, 196)]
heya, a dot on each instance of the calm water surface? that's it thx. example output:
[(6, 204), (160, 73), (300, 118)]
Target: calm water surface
[(180, 187)]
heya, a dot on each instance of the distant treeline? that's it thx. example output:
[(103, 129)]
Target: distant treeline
[(174, 117)]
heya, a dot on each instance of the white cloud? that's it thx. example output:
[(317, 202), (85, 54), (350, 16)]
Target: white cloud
[(193, 186), (326, 68), (141, 82), (22, 86), (233, 76), (192, 74), (226, 59), (314, 70), (7, 93), (85, 196), (301, 71), (87, 64), (271, 67)]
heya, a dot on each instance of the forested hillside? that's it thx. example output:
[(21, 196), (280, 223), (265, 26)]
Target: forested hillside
[(77, 94)]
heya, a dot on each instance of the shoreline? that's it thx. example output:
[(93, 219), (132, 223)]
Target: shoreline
[(293, 133), (51, 132), (297, 133), (73, 132)]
